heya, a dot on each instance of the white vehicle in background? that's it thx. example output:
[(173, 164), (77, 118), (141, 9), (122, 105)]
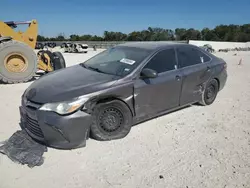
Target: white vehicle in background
[(80, 48), (67, 47), (74, 47)]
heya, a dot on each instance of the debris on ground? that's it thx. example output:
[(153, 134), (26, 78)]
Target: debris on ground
[(161, 176), (22, 149), (240, 62)]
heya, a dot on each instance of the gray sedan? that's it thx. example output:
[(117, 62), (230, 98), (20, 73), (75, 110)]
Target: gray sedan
[(106, 95)]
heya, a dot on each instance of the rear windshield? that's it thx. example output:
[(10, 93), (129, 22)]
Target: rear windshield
[(118, 61)]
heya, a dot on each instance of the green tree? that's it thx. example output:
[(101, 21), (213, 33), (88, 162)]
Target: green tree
[(192, 34), (180, 34), (209, 35), (135, 36), (60, 37), (96, 38), (40, 38), (114, 36), (240, 33), (74, 37)]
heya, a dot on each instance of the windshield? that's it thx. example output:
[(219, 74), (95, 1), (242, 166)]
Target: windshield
[(118, 61)]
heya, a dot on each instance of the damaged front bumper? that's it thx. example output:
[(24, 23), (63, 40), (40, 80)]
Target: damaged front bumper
[(62, 132)]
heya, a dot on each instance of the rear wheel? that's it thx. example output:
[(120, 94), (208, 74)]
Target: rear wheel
[(210, 92), (111, 120), (18, 62)]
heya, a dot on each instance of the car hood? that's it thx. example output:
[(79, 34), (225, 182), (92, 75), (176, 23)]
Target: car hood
[(67, 83)]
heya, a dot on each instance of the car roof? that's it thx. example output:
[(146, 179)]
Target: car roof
[(152, 45)]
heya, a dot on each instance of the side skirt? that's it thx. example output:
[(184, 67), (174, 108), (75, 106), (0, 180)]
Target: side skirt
[(150, 117)]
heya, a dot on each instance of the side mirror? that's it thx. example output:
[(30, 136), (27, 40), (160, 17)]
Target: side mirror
[(148, 73)]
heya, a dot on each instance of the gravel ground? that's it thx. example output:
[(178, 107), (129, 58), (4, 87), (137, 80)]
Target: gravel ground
[(196, 147)]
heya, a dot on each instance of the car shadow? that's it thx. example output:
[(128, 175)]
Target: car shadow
[(35, 77), (161, 115)]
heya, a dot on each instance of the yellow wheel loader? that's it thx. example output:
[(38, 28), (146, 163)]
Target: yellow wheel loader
[(18, 60)]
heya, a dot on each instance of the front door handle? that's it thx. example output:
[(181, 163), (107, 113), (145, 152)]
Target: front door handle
[(177, 77), (208, 69)]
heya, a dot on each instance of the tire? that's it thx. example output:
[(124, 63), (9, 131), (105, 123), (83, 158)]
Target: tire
[(25, 54), (58, 61), (5, 39), (210, 93), (119, 112)]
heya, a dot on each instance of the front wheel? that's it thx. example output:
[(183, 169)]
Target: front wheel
[(111, 120), (210, 92)]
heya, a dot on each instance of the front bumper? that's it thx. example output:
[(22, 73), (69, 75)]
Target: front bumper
[(62, 132)]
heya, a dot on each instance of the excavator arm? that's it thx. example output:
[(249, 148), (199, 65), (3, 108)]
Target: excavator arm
[(11, 24), (28, 37)]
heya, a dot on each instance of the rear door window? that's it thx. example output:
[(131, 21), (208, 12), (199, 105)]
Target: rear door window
[(188, 56), (163, 61)]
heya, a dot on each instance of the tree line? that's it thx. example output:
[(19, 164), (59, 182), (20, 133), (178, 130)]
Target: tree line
[(231, 33)]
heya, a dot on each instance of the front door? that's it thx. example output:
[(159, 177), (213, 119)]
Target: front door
[(196, 70), (158, 94)]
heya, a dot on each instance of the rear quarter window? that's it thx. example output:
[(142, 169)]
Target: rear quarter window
[(204, 58), (188, 56)]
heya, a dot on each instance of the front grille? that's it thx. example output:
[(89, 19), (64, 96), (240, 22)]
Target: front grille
[(33, 127), (30, 123), (33, 105)]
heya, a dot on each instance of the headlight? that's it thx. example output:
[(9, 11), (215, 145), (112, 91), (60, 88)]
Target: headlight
[(65, 107)]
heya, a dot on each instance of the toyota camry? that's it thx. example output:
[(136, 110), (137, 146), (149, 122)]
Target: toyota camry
[(106, 95)]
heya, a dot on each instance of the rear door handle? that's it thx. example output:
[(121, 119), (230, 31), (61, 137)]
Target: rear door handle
[(208, 69), (177, 77)]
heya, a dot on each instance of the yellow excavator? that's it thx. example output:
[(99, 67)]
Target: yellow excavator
[(18, 60)]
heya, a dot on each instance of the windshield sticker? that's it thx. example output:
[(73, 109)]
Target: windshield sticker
[(127, 61), (103, 64), (127, 69)]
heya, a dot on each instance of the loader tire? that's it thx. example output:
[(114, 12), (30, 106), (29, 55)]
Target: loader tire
[(58, 61), (18, 62)]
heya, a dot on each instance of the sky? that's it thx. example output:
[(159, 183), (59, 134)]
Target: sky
[(95, 16)]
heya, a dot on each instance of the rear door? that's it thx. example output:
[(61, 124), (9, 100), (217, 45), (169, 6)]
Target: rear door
[(196, 70), (161, 93)]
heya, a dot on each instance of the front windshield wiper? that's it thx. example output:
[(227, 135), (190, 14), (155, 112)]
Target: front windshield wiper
[(83, 65), (95, 69), (92, 68)]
